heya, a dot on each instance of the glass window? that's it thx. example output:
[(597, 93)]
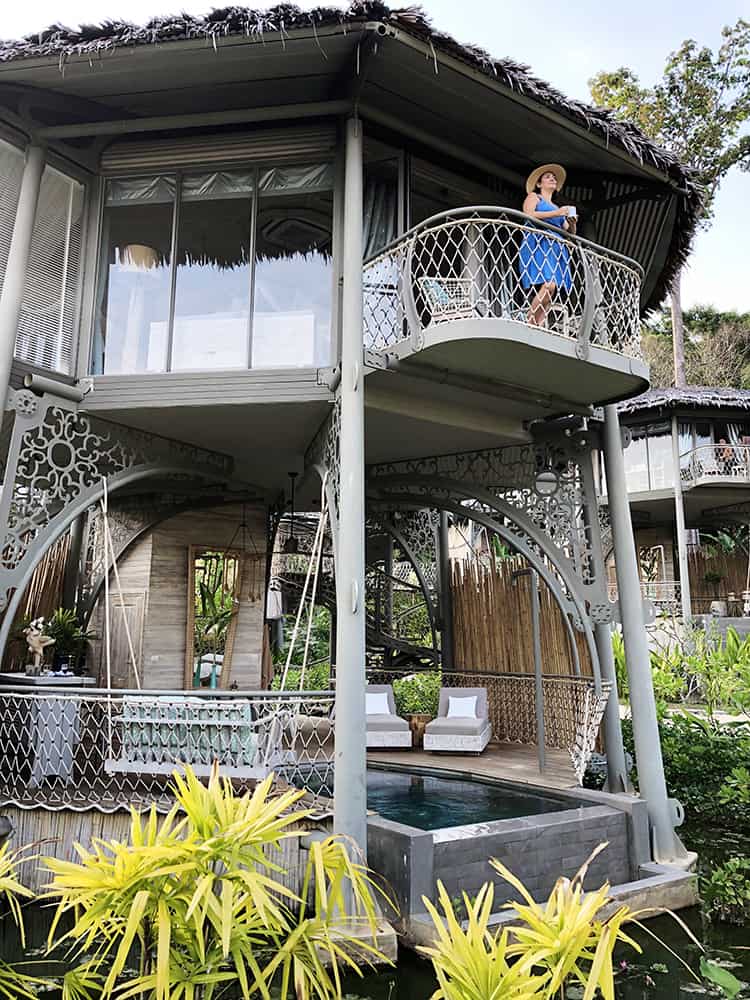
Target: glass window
[(381, 197), (135, 277), (232, 297), (636, 461), (660, 455), (293, 276), (213, 281)]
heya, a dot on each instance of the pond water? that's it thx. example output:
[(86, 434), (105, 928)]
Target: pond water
[(432, 802)]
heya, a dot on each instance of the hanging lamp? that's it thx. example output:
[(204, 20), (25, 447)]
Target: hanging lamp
[(291, 544)]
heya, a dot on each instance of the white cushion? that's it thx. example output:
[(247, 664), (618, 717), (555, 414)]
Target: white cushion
[(462, 708), (376, 703)]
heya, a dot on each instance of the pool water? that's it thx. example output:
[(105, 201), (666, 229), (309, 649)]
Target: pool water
[(430, 802)]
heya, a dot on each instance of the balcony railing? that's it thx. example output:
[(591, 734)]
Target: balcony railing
[(466, 264), (711, 463), (100, 749)]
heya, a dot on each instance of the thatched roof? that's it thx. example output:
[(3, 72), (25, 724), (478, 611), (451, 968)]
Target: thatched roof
[(94, 41), (693, 397)]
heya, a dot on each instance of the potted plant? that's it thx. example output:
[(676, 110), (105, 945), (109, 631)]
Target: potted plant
[(417, 697), (70, 640)]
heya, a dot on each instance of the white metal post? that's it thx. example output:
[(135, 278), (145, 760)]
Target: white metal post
[(666, 844), (18, 258), (679, 512), (350, 780)]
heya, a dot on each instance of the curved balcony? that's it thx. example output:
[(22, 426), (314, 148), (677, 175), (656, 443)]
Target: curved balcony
[(716, 464), (449, 294)]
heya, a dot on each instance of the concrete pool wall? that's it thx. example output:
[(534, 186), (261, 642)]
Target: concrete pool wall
[(538, 849)]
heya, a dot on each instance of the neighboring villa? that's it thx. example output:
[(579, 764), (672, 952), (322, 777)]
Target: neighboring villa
[(253, 261), (707, 432)]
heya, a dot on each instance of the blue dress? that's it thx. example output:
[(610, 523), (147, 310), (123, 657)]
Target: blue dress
[(544, 259)]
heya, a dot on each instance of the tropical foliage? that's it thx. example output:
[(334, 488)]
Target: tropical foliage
[(193, 903), (726, 892), (417, 694), (545, 952)]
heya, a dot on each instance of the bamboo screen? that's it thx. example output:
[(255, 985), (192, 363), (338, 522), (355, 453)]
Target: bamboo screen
[(41, 599), (492, 631)]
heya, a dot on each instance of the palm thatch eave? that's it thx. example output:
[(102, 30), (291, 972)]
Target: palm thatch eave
[(95, 41)]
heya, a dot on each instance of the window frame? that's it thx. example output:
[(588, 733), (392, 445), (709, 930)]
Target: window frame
[(257, 167)]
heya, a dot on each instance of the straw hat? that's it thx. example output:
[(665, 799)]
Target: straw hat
[(553, 168)]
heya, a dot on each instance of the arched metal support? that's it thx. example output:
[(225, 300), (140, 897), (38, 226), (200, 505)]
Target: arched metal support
[(56, 463), (532, 556)]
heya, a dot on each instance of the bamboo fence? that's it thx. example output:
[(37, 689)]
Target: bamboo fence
[(41, 599), (492, 629)]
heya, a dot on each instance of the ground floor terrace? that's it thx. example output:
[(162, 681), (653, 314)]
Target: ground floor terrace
[(525, 624)]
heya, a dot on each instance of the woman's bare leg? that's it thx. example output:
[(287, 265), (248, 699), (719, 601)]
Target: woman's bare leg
[(541, 303)]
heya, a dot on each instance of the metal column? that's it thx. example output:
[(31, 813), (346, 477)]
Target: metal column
[(73, 563), (350, 783), (18, 258), (446, 597), (666, 844), (679, 514), (617, 771)]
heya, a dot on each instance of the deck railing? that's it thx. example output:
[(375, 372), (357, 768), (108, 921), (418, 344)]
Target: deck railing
[(80, 748), (467, 263), (710, 463)]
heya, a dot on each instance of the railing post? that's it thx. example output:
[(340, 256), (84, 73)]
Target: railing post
[(583, 337), (350, 780), (686, 603), (18, 258)]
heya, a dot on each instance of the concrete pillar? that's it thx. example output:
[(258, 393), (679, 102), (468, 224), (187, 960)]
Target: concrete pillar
[(653, 788), (18, 257), (446, 597), (617, 771), (350, 782), (679, 517)]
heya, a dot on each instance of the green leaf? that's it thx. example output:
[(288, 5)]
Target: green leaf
[(720, 977)]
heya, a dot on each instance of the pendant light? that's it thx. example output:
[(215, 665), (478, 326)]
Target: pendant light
[(291, 544)]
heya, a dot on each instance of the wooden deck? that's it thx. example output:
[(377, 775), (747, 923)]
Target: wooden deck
[(508, 761)]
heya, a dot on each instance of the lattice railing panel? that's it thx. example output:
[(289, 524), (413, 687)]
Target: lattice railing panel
[(482, 263), (79, 749), (716, 462)]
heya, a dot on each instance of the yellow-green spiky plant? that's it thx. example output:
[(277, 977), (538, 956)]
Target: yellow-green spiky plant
[(13, 982), (569, 939), (196, 898)]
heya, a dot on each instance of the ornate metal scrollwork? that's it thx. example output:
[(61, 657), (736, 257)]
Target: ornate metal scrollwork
[(57, 460)]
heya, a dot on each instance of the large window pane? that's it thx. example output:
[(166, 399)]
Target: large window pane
[(660, 455), (134, 290), (293, 275), (636, 462), (212, 292)]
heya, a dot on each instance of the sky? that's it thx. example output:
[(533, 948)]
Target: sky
[(565, 44)]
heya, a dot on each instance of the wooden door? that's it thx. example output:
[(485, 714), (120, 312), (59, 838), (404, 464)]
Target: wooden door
[(131, 609)]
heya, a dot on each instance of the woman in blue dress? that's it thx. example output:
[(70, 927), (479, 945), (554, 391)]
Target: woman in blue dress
[(545, 260)]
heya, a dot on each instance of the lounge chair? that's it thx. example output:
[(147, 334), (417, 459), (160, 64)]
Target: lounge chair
[(384, 729), (462, 724)]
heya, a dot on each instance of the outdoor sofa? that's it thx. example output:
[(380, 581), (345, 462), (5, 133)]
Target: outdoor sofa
[(462, 724), (384, 729)]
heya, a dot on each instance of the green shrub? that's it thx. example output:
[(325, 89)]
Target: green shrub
[(417, 694), (317, 678), (701, 764), (726, 894)]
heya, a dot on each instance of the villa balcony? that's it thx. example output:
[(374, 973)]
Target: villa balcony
[(716, 465), (450, 295)]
